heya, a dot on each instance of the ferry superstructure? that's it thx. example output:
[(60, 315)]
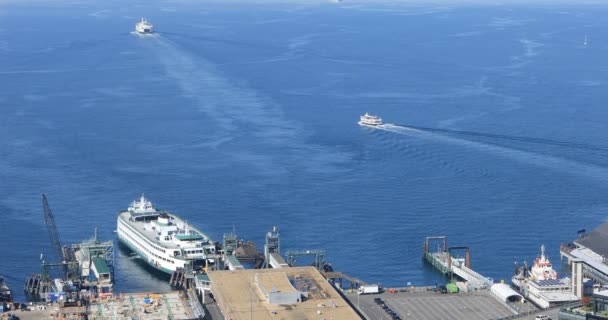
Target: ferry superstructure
[(542, 268), (144, 26), (370, 120), (163, 240)]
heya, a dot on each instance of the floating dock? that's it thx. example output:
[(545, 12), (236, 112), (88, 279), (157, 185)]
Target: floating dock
[(446, 261)]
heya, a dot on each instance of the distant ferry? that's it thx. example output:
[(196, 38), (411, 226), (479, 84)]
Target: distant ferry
[(144, 26), (162, 239), (370, 120)]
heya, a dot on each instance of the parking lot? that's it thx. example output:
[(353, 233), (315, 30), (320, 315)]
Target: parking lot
[(432, 306)]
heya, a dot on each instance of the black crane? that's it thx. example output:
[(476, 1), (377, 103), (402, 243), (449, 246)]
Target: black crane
[(49, 220), (40, 284)]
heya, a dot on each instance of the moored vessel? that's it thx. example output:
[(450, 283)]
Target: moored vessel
[(542, 268), (162, 239), (520, 276), (5, 292), (144, 26), (370, 120)]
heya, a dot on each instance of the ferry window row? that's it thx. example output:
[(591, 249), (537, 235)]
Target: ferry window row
[(144, 247)]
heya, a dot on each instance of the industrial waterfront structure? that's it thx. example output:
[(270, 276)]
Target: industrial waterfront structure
[(6, 296), (85, 266), (589, 252)]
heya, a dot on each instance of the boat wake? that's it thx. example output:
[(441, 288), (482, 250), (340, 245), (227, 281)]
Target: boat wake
[(145, 35), (238, 113), (592, 171), (549, 142)]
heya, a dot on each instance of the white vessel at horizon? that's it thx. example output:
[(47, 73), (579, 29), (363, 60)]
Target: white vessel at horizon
[(370, 120), (163, 240), (144, 26)]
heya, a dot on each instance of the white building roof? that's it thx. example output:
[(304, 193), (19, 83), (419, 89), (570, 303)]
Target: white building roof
[(505, 293), (590, 258)]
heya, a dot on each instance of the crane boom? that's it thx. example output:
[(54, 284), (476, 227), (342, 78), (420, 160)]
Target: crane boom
[(49, 220)]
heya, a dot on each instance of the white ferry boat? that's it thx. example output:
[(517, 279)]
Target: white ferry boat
[(162, 239), (144, 26), (370, 120)]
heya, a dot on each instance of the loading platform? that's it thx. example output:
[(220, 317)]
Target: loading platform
[(447, 262), (277, 262), (233, 263)]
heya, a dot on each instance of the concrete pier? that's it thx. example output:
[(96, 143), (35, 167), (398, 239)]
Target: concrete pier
[(447, 263)]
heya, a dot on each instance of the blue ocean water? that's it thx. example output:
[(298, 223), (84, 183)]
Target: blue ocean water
[(243, 115)]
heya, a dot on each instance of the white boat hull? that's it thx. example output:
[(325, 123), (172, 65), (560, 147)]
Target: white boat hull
[(368, 124)]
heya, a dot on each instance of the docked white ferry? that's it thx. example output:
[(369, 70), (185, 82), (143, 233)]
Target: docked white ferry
[(370, 120), (144, 26), (162, 239)]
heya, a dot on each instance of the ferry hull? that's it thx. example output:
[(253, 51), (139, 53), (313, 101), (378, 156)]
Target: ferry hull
[(368, 124)]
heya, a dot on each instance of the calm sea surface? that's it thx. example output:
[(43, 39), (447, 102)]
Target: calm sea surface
[(244, 116)]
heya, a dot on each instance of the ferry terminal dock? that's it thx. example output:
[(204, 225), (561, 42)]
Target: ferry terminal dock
[(230, 294), (277, 287)]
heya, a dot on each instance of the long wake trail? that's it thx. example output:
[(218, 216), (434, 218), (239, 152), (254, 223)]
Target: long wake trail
[(542, 160), (549, 142), (239, 113)]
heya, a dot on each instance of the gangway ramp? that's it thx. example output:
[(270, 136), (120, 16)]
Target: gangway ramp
[(277, 262), (470, 275), (234, 263)]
